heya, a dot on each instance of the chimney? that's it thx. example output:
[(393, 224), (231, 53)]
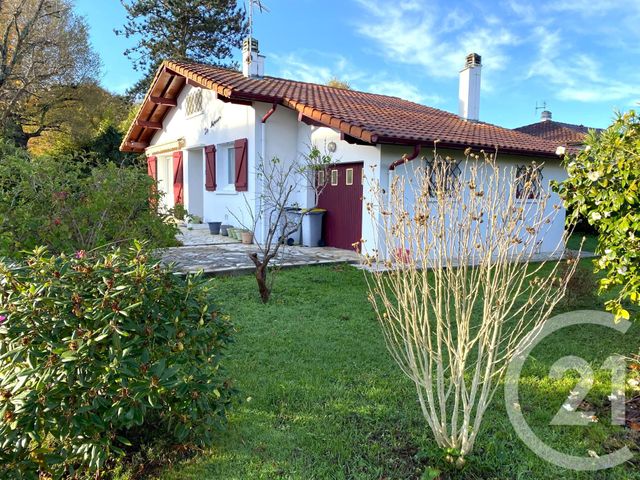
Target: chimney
[(252, 61), (469, 92), (545, 115)]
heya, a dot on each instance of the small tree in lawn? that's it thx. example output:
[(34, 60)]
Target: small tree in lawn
[(604, 186), (456, 294), (315, 170), (279, 182)]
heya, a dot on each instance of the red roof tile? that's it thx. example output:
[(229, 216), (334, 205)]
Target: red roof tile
[(556, 131), (365, 116)]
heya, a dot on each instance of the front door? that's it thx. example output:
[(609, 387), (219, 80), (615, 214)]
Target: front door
[(342, 198)]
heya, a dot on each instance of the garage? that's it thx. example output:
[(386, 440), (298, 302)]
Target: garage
[(342, 199)]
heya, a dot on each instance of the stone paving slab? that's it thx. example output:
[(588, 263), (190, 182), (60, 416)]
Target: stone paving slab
[(234, 257), (198, 234)]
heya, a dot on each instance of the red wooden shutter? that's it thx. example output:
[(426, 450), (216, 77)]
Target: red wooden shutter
[(242, 180), (210, 168), (152, 170), (152, 167), (177, 178)]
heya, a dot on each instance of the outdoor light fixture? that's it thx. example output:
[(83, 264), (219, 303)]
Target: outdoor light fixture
[(331, 146)]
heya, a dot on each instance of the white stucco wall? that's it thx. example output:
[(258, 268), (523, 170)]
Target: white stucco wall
[(288, 139), (219, 124), (549, 239)]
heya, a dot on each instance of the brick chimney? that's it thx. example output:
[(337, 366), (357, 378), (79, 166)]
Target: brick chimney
[(469, 91)]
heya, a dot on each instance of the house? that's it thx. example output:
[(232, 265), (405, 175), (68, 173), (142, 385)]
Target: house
[(204, 129), (563, 133)]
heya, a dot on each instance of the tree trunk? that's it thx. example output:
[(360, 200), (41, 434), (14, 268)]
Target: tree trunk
[(261, 278)]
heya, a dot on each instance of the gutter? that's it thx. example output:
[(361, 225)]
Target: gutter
[(406, 158), (269, 113)]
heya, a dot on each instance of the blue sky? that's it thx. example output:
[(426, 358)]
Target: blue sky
[(580, 56)]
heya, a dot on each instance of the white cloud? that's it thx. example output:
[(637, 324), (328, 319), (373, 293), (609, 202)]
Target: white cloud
[(577, 77), (323, 68), (420, 33), (326, 66), (405, 90)]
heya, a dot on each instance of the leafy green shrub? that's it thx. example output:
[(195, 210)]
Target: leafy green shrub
[(67, 205), (604, 187), (101, 352)]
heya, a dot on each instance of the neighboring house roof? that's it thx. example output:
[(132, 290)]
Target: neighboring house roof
[(360, 116), (565, 133)]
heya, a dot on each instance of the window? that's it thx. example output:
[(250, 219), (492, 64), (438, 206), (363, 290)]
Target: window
[(226, 168), (349, 176), (334, 178), (442, 175), (528, 181), (231, 166), (321, 180), (193, 102)]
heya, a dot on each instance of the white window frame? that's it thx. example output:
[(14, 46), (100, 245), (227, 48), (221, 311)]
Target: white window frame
[(348, 176), (223, 173), (336, 181)]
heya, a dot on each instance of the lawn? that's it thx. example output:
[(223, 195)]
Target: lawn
[(321, 398)]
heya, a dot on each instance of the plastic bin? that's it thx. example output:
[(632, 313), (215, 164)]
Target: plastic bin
[(312, 227), (293, 215)]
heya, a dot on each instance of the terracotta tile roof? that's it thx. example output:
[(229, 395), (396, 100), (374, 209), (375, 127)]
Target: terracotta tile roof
[(557, 131), (365, 117)]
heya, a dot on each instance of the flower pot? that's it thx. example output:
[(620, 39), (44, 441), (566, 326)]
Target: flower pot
[(224, 230), (214, 227), (234, 233), (247, 237)]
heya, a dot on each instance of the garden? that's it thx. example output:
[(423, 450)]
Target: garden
[(114, 366), (320, 396)]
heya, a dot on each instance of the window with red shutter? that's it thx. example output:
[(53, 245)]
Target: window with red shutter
[(152, 170), (210, 168), (177, 178), (152, 167), (242, 177)]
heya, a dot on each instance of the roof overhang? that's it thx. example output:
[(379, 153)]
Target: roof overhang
[(172, 77)]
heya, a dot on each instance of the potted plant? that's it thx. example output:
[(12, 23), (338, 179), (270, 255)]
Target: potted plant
[(224, 230), (214, 227), (247, 236)]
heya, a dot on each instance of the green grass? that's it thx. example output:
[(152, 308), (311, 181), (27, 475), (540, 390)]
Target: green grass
[(590, 242), (322, 399)]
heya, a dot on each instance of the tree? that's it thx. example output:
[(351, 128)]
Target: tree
[(204, 31), (45, 48), (604, 187), (90, 122), (276, 213), (455, 293), (335, 82)]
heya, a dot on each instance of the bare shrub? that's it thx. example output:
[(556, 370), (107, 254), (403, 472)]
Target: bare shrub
[(452, 282)]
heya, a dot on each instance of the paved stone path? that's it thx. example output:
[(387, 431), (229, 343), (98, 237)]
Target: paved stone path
[(234, 257), (198, 234), (217, 254)]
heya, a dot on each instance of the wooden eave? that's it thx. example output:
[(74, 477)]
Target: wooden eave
[(171, 79)]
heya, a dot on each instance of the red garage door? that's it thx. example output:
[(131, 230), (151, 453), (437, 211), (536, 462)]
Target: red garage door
[(342, 198)]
